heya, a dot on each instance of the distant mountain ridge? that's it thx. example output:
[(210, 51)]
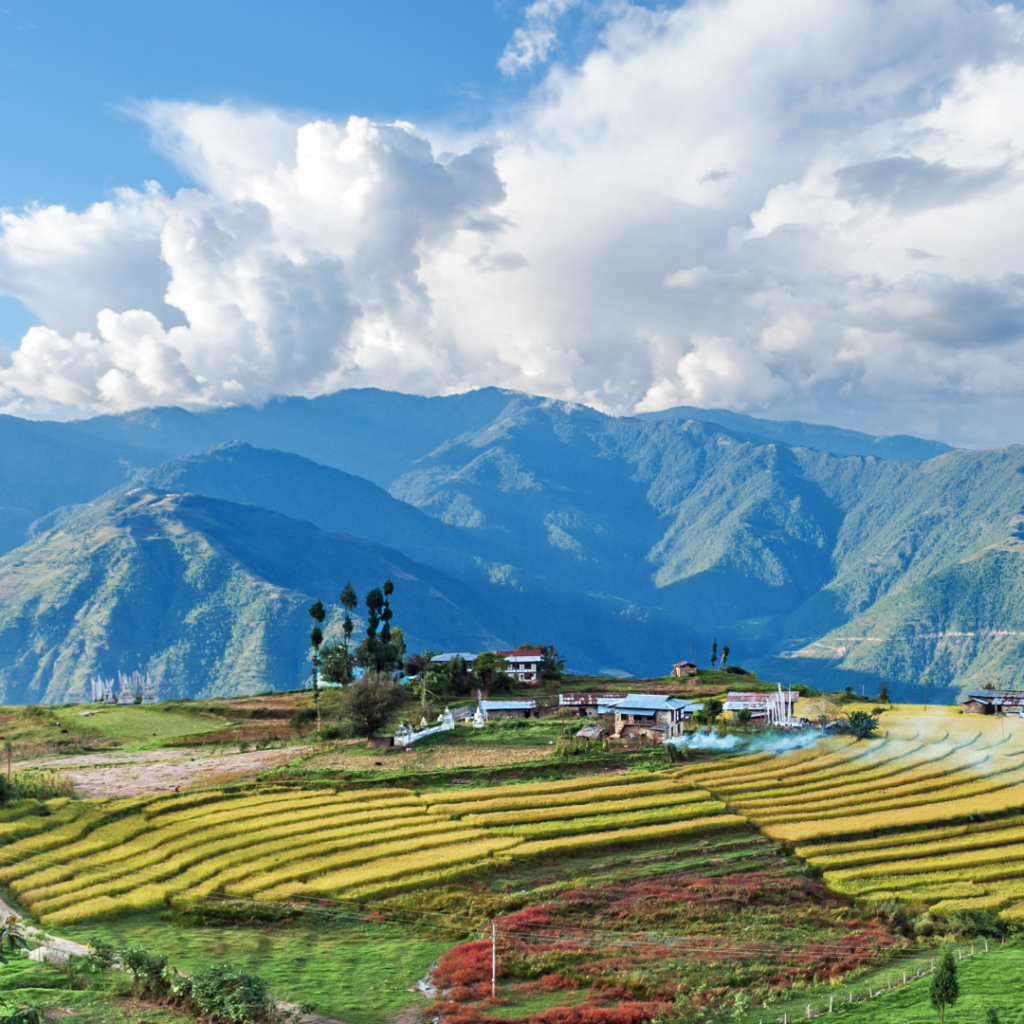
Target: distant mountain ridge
[(836, 440), (621, 540)]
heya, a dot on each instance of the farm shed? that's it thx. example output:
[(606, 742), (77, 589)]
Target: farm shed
[(993, 702), (464, 714), (590, 732), (509, 708), (444, 659), (586, 705), (684, 669), (652, 716)]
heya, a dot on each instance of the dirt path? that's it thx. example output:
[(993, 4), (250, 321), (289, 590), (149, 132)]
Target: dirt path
[(119, 773)]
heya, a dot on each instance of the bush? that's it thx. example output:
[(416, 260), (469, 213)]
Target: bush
[(147, 971), (862, 724), (737, 671), (37, 785), (302, 717), (224, 993), (370, 702)]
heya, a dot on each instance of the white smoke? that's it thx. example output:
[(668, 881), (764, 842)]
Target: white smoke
[(769, 741)]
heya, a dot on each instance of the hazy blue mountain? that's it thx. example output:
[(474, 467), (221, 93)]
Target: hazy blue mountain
[(810, 435), (46, 465), (331, 499), (374, 434), (209, 595), (622, 540)]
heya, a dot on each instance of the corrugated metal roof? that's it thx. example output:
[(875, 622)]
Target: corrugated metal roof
[(508, 705), (995, 695), (653, 702), (445, 658)]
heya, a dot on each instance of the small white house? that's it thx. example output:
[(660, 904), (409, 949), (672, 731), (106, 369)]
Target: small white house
[(524, 665)]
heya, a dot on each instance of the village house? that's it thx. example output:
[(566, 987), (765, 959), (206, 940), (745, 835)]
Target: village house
[(509, 709), (757, 703), (652, 717), (684, 669), (586, 705), (524, 665), (445, 659), (994, 702)]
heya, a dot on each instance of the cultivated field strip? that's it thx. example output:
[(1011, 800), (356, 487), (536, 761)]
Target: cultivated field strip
[(932, 813), (83, 860)]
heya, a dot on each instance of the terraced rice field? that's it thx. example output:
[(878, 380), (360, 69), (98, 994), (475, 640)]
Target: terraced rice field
[(931, 813), (77, 861)]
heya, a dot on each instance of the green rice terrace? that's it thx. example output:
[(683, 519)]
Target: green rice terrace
[(770, 882)]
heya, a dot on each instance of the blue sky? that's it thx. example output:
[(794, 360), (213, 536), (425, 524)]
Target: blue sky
[(806, 210), (69, 70)]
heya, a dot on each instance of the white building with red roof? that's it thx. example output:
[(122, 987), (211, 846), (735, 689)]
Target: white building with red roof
[(524, 665)]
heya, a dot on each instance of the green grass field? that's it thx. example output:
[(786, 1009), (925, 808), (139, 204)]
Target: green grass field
[(983, 979), (348, 969), (140, 724)]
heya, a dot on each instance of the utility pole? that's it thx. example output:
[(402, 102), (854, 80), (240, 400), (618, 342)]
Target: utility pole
[(494, 958)]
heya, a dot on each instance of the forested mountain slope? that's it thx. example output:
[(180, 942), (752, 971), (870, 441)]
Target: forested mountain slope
[(621, 540), (208, 595)]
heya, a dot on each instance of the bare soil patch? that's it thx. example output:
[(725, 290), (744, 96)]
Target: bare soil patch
[(119, 774)]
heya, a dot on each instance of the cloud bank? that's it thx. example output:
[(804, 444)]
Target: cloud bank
[(803, 210)]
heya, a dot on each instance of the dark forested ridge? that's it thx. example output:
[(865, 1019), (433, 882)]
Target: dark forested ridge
[(620, 540)]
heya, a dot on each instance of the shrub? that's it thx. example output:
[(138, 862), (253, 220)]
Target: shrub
[(147, 971), (224, 993), (304, 716), (39, 785)]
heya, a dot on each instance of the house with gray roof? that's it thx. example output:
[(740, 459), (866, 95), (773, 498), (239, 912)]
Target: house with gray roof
[(653, 717)]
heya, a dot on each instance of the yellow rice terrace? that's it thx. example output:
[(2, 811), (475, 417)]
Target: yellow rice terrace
[(930, 814), (84, 860)]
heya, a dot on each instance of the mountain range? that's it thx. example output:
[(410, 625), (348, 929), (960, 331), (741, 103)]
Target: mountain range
[(191, 543)]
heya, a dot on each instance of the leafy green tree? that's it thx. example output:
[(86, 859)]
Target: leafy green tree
[(710, 712), (316, 638), (383, 651), (100, 958), (369, 703), (714, 652), (945, 989), (349, 602), (491, 671), (863, 725), (743, 716), (337, 660), (336, 664), (725, 655), (883, 694), (553, 665)]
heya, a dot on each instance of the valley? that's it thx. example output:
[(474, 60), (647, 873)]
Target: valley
[(630, 540)]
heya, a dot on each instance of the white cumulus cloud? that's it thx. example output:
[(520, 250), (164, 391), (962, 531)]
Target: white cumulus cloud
[(807, 209)]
